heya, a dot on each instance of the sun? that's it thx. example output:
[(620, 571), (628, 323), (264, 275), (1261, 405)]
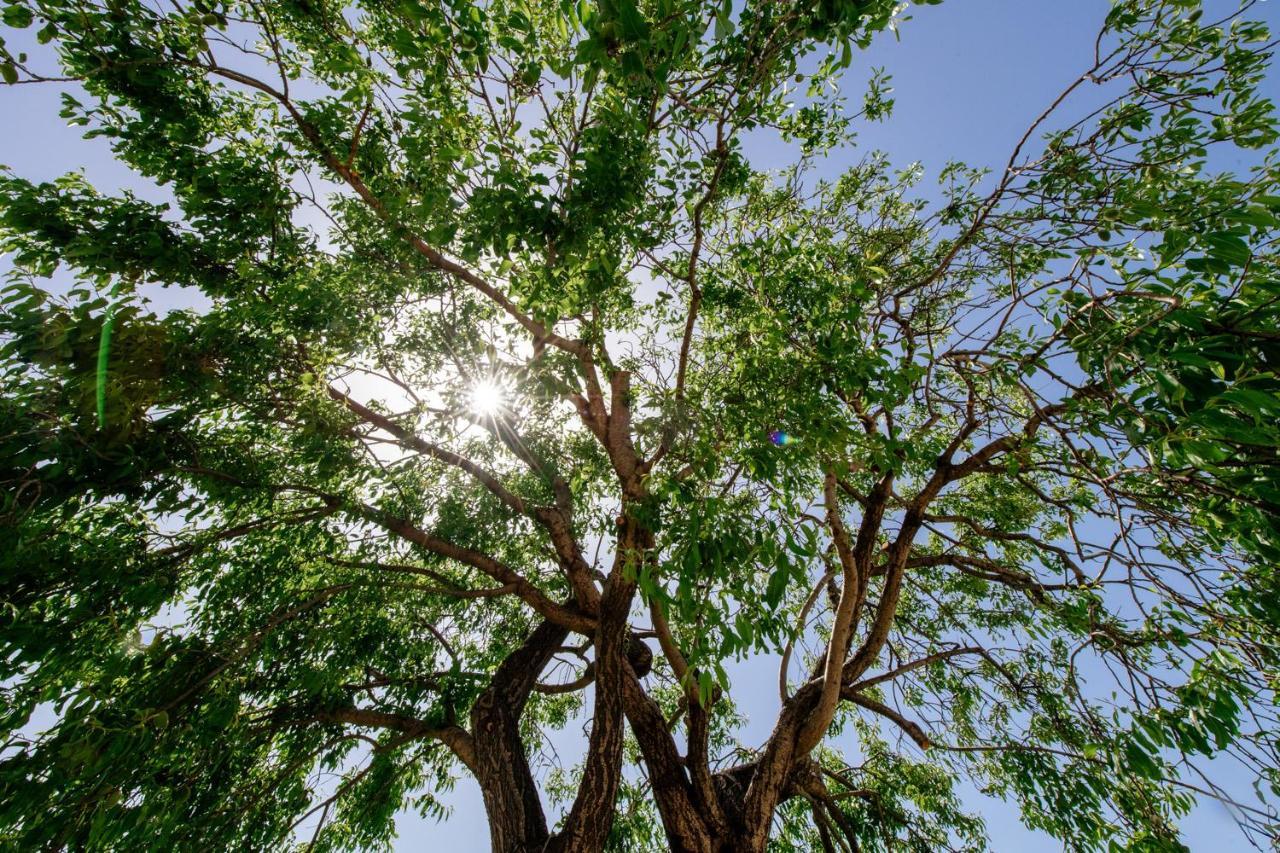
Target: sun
[(488, 398)]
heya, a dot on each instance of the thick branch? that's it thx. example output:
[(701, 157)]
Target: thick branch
[(500, 572), (672, 793), (853, 560), (454, 737)]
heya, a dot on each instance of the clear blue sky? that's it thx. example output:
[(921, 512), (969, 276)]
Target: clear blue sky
[(968, 75)]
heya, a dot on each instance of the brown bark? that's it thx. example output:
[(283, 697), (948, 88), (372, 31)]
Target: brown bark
[(686, 829), (514, 808), (591, 815)]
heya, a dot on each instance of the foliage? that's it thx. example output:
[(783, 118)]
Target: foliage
[(515, 371)]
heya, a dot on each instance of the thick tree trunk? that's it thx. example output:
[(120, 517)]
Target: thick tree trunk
[(746, 797), (516, 821), (686, 827), (591, 816), (512, 802), (728, 812)]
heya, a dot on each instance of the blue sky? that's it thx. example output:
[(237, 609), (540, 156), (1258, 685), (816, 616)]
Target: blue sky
[(968, 77)]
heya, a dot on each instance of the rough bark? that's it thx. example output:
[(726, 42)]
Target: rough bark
[(511, 800), (591, 815), (686, 828)]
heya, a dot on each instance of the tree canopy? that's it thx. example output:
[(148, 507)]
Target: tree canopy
[(521, 394)]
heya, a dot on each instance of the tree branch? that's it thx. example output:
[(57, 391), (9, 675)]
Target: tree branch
[(913, 731), (455, 737)]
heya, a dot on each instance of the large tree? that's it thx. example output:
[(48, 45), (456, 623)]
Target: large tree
[(523, 394)]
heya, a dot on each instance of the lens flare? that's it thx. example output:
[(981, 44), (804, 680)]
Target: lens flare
[(782, 439)]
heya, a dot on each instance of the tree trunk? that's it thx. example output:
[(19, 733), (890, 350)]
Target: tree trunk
[(516, 821), (745, 797)]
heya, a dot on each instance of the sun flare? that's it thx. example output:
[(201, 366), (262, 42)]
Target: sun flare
[(488, 397)]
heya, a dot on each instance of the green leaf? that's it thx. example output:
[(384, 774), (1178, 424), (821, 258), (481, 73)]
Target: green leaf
[(18, 16)]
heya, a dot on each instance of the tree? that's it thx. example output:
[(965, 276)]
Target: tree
[(521, 395)]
